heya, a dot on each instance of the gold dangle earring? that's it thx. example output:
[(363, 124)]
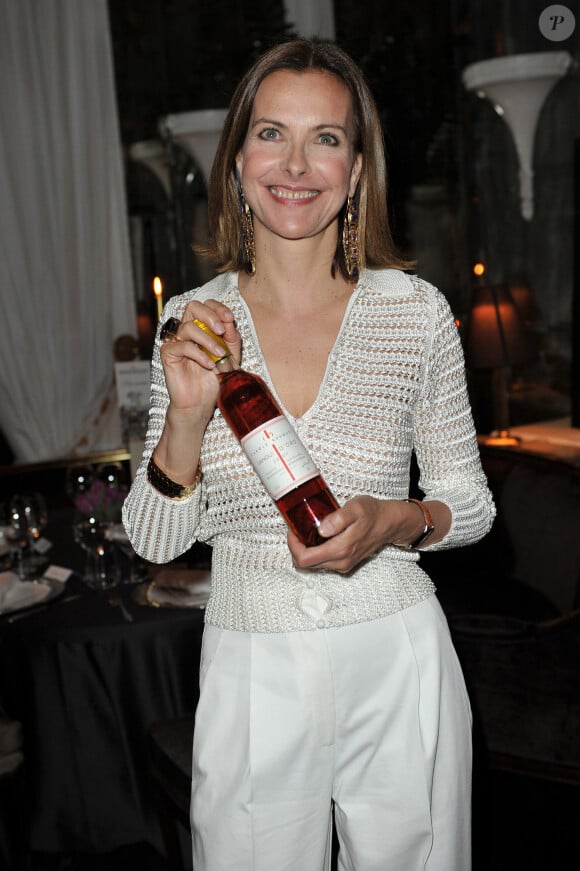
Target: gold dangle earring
[(350, 239), (248, 242)]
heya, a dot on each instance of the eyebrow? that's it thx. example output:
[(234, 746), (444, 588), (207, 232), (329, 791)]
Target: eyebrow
[(330, 126)]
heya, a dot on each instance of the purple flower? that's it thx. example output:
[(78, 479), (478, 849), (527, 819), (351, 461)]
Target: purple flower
[(101, 501)]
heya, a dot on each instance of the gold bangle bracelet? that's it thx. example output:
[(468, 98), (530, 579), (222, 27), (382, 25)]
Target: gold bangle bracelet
[(167, 487)]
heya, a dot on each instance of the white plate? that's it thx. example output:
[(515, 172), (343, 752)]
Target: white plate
[(176, 589), (55, 589)]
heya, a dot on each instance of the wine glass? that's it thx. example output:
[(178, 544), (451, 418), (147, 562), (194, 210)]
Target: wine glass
[(101, 568), (136, 568), (78, 479), (112, 475), (27, 517)]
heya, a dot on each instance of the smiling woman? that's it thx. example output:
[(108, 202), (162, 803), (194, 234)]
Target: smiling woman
[(328, 678)]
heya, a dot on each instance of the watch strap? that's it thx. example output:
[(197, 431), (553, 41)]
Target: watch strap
[(428, 528)]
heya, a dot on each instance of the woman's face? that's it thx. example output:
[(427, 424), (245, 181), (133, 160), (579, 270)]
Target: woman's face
[(298, 164)]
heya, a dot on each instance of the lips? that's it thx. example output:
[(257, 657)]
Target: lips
[(285, 194)]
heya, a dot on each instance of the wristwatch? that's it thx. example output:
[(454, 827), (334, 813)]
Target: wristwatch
[(428, 529)]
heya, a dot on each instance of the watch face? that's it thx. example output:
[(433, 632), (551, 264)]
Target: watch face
[(423, 537)]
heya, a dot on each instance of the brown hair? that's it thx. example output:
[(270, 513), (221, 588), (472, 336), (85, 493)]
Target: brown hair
[(376, 246)]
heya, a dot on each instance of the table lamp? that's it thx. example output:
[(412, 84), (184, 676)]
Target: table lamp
[(497, 340)]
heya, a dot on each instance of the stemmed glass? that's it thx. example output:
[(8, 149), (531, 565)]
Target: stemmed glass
[(101, 570), (78, 479), (27, 517), (96, 496), (137, 570), (113, 475)]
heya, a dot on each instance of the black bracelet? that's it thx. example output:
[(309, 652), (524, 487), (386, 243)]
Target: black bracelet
[(167, 487)]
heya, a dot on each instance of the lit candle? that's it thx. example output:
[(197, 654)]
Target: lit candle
[(158, 291)]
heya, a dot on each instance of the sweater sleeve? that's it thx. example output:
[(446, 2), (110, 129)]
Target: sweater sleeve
[(159, 528), (445, 441)]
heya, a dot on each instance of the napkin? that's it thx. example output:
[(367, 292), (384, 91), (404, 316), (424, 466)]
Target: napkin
[(180, 588), (116, 532), (16, 594)]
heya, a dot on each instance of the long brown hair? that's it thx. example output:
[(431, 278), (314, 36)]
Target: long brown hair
[(376, 246)]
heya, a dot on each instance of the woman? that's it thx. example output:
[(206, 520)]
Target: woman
[(328, 679)]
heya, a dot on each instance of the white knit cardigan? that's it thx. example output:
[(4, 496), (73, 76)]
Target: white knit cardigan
[(395, 382)]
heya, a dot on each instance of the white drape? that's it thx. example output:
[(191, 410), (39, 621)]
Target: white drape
[(65, 271), (311, 17)]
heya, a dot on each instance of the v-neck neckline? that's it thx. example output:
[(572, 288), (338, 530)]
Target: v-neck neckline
[(266, 372)]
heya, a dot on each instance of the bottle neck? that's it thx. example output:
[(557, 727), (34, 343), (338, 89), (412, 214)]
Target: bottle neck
[(225, 364)]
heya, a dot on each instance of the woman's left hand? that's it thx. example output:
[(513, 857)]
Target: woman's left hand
[(355, 532)]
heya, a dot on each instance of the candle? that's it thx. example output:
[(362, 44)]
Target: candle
[(158, 291)]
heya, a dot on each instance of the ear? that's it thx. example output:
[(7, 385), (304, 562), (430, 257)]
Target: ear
[(239, 165), (355, 174)]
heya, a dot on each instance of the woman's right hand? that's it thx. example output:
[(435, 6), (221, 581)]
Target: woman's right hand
[(192, 386), (189, 372)]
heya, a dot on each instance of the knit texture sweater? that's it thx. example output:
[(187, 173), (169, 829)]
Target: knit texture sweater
[(394, 384)]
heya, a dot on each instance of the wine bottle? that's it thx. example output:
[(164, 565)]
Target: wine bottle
[(273, 447)]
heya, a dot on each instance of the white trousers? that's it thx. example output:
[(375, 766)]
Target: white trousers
[(372, 717)]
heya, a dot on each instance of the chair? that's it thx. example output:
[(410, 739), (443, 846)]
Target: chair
[(524, 683), (12, 829), (169, 744)]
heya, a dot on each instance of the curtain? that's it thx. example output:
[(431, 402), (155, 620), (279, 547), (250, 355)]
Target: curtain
[(311, 17), (66, 287)]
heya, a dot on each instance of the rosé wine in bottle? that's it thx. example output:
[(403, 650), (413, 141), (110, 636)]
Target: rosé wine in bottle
[(273, 447)]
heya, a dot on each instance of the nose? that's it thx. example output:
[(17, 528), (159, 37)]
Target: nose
[(295, 160)]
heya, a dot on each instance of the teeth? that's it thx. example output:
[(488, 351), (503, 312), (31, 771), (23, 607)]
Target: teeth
[(293, 195)]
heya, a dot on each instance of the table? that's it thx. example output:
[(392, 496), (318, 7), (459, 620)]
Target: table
[(86, 686)]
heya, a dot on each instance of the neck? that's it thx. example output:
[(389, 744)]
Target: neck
[(294, 273)]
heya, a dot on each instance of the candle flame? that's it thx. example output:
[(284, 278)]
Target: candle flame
[(158, 291), (478, 268)]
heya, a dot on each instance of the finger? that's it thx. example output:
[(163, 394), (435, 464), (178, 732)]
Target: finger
[(309, 557), (193, 333), (335, 523), (229, 333), (180, 350), (200, 325), (217, 316)]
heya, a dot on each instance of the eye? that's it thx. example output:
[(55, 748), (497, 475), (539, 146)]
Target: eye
[(328, 139), (269, 133)]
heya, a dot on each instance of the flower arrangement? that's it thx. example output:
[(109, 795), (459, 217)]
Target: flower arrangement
[(101, 501)]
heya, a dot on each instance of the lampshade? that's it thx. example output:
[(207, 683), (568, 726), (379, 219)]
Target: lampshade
[(522, 295), (496, 333)]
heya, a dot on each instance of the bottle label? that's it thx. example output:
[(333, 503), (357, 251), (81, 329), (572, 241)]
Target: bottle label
[(279, 457)]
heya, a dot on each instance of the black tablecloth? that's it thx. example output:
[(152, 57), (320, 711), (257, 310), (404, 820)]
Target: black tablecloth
[(86, 686)]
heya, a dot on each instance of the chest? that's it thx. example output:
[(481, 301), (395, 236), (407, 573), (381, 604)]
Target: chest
[(365, 365), (296, 355)]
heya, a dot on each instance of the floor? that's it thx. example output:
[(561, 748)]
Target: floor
[(140, 857), (519, 824)]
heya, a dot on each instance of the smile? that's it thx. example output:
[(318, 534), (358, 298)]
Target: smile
[(293, 195)]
